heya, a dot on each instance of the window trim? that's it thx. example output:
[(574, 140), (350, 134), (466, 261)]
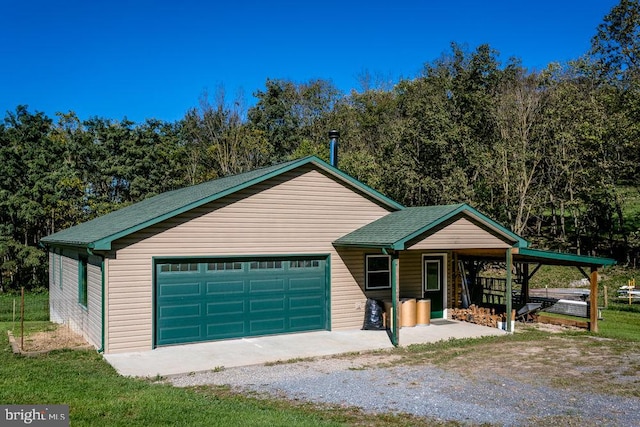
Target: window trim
[(60, 265), (438, 262), (54, 270), (367, 272), (444, 272), (83, 281)]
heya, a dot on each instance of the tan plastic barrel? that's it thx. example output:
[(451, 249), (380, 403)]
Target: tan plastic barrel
[(423, 310), (408, 312), (388, 311)]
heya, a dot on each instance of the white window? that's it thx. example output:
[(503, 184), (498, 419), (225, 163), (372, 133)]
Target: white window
[(377, 272), (432, 274)]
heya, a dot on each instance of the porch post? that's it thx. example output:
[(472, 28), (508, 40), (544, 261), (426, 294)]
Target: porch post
[(593, 300), (508, 293), (395, 300), (524, 295)]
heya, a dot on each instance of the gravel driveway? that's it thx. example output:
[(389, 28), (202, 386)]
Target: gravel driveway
[(425, 390)]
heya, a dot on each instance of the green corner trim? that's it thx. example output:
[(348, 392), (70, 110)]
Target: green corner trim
[(194, 196), (462, 209)]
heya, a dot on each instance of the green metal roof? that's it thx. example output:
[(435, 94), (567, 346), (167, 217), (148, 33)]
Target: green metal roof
[(100, 232), (559, 258), (394, 230)]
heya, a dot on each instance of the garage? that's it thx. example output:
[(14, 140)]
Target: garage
[(212, 299)]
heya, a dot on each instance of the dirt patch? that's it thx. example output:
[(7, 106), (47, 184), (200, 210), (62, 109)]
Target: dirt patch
[(569, 379), (553, 329), (570, 362), (57, 338)]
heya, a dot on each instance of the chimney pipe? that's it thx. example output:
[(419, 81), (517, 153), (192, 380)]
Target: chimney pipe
[(334, 135)]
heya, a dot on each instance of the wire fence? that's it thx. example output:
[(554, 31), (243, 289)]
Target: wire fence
[(27, 317), (35, 308)]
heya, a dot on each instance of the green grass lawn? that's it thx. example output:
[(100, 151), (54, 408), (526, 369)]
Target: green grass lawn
[(620, 325), (615, 323), (555, 277), (97, 395), (36, 307)]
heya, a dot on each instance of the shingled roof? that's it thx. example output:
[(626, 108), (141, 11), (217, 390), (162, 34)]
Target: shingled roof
[(394, 230), (98, 233)]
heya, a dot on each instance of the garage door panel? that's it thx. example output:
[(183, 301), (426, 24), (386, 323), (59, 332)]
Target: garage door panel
[(226, 329), (306, 303), (189, 289), (181, 311), (272, 285), (235, 287), (266, 326), (225, 308), (302, 323), (180, 334), (237, 298), (271, 305), (314, 284)]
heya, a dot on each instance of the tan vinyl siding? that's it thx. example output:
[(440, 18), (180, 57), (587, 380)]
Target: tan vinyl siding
[(64, 302), (350, 307), (461, 234), (410, 279), (411, 275), (94, 306), (299, 212)]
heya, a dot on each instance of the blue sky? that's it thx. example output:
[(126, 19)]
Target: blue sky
[(153, 59)]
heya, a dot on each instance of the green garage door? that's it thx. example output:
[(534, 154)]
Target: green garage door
[(231, 298)]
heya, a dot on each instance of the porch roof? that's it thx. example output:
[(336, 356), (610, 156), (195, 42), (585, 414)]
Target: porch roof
[(539, 256), (394, 230), (558, 258)]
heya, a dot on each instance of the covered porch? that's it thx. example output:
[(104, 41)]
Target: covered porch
[(436, 253)]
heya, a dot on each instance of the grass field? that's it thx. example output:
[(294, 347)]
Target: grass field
[(620, 325), (36, 307), (615, 324), (97, 395)]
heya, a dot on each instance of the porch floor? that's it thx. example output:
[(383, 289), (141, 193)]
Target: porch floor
[(442, 329), (180, 359)]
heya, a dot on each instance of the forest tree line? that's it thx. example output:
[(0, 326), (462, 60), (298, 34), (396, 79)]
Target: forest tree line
[(552, 154)]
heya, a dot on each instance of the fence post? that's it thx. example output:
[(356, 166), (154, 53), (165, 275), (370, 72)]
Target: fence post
[(22, 319)]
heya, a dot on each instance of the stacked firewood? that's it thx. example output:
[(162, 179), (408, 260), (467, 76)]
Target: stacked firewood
[(479, 315)]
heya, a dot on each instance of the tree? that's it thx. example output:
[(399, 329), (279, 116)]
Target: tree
[(365, 121), (28, 160), (287, 113), (218, 142), (616, 45), (520, 149)]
